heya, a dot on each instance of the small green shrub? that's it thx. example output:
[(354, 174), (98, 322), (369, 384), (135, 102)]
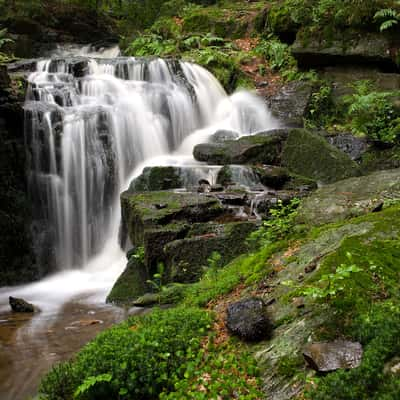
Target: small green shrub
[(371, 113), (388, 17), (144, 356), (278, 226), (321, 110)]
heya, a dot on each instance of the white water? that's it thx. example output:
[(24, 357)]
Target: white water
[(89, 136)]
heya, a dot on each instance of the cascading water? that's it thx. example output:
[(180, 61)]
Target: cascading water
[(92, 125), (90, 122)]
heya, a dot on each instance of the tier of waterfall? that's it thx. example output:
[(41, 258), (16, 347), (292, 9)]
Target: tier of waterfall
[(91, 121)]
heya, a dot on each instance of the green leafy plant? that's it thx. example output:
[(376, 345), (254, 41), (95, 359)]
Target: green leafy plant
[(321, 109), (278, 226), (157, 282), (371, 113), (88, 388), (330, 285), (388, 17)]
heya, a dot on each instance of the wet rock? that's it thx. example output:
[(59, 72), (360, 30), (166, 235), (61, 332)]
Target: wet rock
[(233, 199), (20, 305), (392, 367), (157, 178), (347, 47), (186, 259), (290, 104), (248, 319), (216, 188), (243, 175), (308, 154), (131, 284), (327, 357), (224, 135), (353, 146), (273, 176), (262, 148), (350, 198)]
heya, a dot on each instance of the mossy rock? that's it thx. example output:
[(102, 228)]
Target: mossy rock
[(344, 47), (152, 210), (131, 284), (350, 198), (262, 148), (187, 259), (157, 178), (376, 158), (310, 155)]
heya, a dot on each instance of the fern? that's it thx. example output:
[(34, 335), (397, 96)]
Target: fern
[(390, 16)]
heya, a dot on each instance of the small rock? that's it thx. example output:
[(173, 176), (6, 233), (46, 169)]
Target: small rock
[(248, 319), (340, 354), (161, 206), (87, 322), (298, 302), (216, 188), (20, 305)]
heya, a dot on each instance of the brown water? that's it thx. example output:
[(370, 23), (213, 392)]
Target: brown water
[(31, 344)]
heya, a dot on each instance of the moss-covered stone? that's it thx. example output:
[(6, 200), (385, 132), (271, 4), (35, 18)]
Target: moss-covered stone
[(131, 284), (350, 198), (157, 178), (260, 148), (187, 259), (344, 47), (310, 155), (380, 159), (151, 210)]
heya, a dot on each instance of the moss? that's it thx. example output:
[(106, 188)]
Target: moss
[(224, 176), (310, 155), (378, 159), (131, 284), (187, 259), (157, 178)]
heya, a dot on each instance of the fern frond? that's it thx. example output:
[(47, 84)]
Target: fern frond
[(388, 24), (386, 13)]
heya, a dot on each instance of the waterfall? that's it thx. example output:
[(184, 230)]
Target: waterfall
[(91, 121)]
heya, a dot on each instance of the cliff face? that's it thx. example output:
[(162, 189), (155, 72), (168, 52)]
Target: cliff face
[(17, 260)]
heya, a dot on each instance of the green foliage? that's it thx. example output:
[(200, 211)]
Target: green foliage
[(139, 254), (143, 356), (4, 39), (327, 15), (276, 53), (332, 285), (223, 372), (91, 386), (371, 113), (388, 17), (278, 226), (321, 110), (151, 45)]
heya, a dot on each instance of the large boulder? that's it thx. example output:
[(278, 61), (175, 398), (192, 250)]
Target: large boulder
[(263, 148), (248, 319), (350, 198), (327, 357), (290, 103), (131, 283), (347, 47), (157, 178), (309, 154), (187, 259)]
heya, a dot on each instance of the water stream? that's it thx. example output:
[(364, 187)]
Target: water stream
[(92, 124)]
